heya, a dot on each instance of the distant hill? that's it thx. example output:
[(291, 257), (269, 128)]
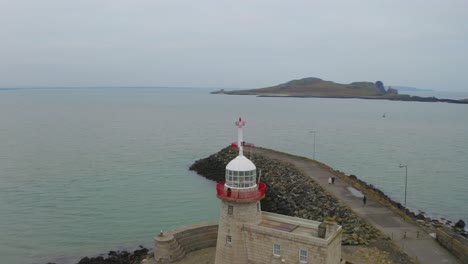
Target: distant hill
[(315, 87)]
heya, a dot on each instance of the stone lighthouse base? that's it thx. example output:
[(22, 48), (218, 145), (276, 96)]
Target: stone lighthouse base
[(196, 243)]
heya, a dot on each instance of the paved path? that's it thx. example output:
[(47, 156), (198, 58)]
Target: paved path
[(424, 248)]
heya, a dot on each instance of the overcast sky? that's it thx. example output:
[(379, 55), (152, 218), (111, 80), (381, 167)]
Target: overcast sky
[(241, 44)]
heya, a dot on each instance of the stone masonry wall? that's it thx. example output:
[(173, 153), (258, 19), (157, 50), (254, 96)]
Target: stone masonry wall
[(231, 225), (455, 243), (173, 245), (259, 244)]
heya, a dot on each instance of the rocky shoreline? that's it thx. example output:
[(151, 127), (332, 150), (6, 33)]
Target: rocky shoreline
[(419, 217), (405, 99), (117, 257), (290, 193)]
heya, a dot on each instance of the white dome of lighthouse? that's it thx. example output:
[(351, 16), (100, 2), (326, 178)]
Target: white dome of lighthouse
[(240, 163), (241, 173)]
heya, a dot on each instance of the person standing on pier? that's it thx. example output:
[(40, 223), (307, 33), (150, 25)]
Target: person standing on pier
[(364, 199)]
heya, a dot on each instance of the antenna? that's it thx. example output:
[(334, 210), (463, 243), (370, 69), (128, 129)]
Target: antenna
[(240, 142)]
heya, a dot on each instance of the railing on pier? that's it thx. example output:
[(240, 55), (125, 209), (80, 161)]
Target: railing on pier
[(241, 195)]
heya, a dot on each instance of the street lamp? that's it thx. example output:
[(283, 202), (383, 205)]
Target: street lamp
[(314, 132), (406, 178)]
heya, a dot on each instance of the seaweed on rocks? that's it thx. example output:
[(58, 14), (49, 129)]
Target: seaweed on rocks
[(117, 257)]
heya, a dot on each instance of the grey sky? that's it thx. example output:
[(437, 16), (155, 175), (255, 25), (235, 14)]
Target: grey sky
[(245, 44)]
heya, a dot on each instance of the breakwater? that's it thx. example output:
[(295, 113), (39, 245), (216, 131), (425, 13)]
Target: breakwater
[(450, 235), (419, 217), (291, 193)]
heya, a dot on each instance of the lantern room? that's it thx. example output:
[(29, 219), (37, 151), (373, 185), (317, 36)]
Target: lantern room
[(241, 173)]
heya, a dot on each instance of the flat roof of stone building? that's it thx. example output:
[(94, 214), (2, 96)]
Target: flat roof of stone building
[(278, 225), (289, 224)]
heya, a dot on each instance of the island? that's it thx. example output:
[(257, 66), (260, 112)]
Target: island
[(316, 87)]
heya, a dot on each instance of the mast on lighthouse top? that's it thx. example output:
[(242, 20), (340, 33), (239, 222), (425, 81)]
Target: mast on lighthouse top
[(240, 142), (241, 172)]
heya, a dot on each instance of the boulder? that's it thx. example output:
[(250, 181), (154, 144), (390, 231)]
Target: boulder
[(420, 217), (460, 224)]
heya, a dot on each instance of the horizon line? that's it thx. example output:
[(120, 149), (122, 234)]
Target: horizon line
[(110, 87)]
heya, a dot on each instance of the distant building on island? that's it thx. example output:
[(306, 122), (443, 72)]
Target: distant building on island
[(245, 234), (391, 90)]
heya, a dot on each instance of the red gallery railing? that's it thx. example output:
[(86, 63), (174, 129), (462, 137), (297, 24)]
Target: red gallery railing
[(240, 195)]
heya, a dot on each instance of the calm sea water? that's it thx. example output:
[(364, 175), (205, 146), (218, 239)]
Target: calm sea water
[(84, 171)]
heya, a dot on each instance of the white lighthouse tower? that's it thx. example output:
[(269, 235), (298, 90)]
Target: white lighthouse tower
[(245, 234), (240, 195)]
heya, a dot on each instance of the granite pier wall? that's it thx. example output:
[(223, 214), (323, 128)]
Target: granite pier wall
[(171, 246)]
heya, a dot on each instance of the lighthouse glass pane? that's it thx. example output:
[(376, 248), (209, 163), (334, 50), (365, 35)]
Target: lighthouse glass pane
[(241, 179), (241, 182), (230, 176), (250, 178)]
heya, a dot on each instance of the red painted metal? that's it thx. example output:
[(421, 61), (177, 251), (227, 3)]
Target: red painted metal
[(240, 195), (240, 123), (244, 144)]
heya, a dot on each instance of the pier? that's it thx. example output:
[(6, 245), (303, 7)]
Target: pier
[(412, 238)]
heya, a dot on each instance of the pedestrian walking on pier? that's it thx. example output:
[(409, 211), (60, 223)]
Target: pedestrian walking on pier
[(364, 199), (329, 180), (333, 179)]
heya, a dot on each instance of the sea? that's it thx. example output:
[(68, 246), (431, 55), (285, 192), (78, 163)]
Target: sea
[(88, 170)]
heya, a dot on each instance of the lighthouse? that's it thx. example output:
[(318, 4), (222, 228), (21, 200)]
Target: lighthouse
[(240, 196), (245, 234)]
